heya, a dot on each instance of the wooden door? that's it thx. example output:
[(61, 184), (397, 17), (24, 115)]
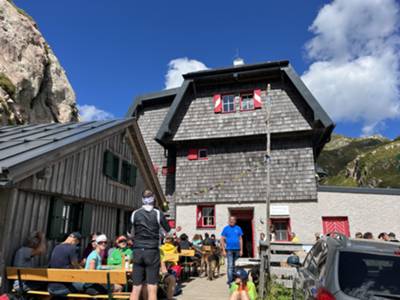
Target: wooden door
[(336, 224)]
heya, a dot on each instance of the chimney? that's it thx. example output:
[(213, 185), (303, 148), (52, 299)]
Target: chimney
[(238, 61)]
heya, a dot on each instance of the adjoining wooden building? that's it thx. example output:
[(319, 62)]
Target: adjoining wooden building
[(59, 178)]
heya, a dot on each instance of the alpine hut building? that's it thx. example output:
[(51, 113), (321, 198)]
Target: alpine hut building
[(207, 142)]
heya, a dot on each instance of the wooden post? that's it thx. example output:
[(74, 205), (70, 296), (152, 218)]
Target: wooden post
[(265, 258)]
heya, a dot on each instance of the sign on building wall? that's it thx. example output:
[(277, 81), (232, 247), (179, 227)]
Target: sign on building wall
[(279, 210)]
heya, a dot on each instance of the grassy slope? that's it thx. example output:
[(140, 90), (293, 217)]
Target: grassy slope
[(379, 161)]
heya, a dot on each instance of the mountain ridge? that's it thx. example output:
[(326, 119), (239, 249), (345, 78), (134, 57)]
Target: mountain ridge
[(361, 162)]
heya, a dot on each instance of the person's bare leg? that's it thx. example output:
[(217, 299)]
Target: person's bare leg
[(235, 296), (170, 283), (152, 292), (135, 295), (244, 295)]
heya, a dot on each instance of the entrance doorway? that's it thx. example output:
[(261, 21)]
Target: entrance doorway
[(244, 219)]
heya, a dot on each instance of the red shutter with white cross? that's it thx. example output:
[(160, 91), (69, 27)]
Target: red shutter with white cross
[(257, 99), (217, 103)]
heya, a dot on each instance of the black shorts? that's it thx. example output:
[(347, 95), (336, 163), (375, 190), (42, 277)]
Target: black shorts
[(146, 266)]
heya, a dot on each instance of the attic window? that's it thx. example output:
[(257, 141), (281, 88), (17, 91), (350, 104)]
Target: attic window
[(228, 103), (247, 102)]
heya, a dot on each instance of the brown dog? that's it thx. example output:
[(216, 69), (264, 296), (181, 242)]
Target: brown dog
[(213, 263)]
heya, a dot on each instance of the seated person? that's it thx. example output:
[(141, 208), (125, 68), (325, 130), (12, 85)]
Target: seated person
[(168, 248), (64, 256), (34, 245), (90, 247), (208, 241), (122, 254), (242, 288), (184, 243), (168, 282), (93, 262)]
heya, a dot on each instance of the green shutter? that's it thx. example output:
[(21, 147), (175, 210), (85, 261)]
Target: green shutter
[(87, 219), (115, 171), (124, 172), (55, 219), (132, 175), (108, 163), (111, 165)]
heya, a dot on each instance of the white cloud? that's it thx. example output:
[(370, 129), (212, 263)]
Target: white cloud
[(179, 66), (92, 113), (355, 61)]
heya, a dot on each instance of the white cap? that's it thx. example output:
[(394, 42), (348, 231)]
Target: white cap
[(101, 238)]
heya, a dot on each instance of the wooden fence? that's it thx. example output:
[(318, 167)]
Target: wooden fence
[(279, 254)]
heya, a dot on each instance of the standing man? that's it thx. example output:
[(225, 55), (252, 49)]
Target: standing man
[(232, 245), (146, 224)]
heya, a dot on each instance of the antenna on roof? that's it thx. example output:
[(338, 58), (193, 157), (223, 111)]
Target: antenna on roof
[(238, 61)]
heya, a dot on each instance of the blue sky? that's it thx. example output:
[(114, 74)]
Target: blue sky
[(113, 51)]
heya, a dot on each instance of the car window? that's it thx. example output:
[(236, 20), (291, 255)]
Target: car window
[(365, 275)]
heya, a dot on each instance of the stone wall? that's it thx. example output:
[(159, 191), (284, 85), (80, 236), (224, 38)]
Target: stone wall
[(240, 170)]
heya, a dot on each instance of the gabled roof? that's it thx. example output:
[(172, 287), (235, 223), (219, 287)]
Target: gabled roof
[(246, 71), (26, 149), (27, 143), (151, 98)]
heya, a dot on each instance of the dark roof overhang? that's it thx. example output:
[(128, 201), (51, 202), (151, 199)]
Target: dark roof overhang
[(151, 99)]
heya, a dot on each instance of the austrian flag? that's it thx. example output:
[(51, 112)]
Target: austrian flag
[(217, 103), (257, 99)]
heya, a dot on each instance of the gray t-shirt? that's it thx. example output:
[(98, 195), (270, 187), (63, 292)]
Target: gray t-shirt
[(23, 258)]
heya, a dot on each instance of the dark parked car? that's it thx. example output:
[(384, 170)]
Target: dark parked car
[(347, 269)]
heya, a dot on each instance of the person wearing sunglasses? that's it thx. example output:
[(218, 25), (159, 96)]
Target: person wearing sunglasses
[(93, 261), (122, 254)]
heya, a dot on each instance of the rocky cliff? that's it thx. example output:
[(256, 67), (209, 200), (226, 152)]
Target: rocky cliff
[(371, 161), (33, 85)]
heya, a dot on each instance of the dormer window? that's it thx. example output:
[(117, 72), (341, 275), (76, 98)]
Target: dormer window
[(228, 103), (247, 102)]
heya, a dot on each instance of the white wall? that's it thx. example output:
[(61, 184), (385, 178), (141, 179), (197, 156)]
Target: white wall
[(366, 212), (186, 217)]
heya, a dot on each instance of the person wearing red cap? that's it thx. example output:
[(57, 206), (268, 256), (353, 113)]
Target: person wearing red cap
[(122, 254)]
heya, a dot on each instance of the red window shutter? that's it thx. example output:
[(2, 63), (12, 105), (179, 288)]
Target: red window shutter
[(155, 168), (217, 103), (192, 154), (257, 99), (199, 223), (172, 223), (164, 171)]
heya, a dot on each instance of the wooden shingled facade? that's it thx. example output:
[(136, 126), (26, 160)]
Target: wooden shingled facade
[(52, 167), (235, 141)]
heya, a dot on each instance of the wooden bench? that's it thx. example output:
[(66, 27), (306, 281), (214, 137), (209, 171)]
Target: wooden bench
[(107, 277)]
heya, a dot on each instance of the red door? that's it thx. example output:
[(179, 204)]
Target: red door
[(336, 224)]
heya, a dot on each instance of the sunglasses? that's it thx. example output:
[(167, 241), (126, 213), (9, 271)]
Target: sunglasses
[(102, 243), (122, 241)]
